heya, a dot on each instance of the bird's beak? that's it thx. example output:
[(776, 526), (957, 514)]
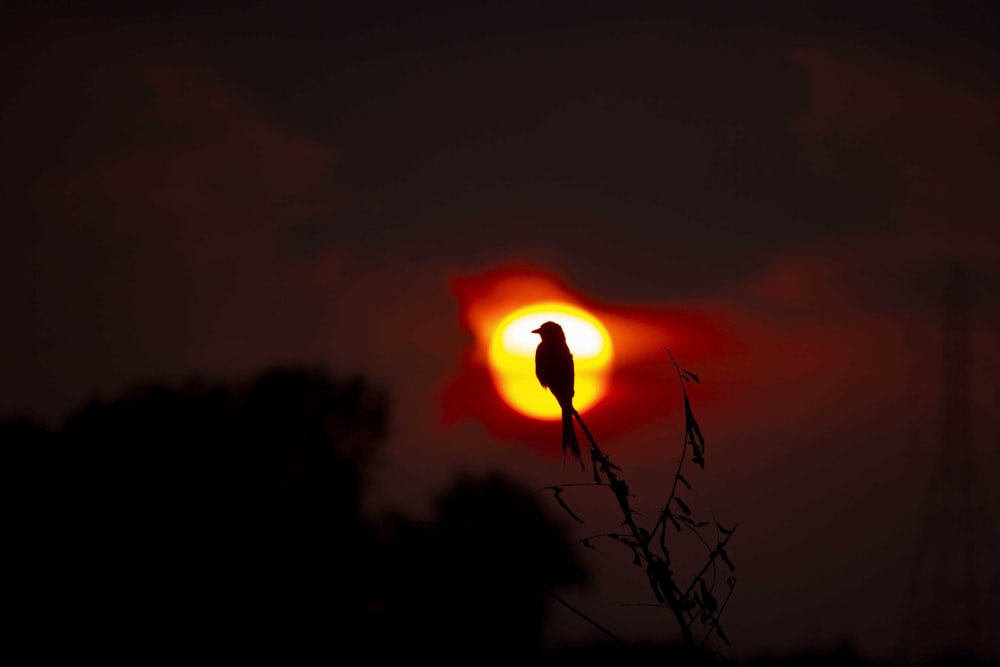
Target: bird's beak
[(537, 331)]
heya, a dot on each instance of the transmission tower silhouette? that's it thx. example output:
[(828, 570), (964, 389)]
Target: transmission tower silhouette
[(952, 601)]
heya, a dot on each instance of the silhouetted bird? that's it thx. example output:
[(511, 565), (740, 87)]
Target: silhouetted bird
[(554, 368)]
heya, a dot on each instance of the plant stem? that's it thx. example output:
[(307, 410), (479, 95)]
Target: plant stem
[(585, 617), (660, 588)]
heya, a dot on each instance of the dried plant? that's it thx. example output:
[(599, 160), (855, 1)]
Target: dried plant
[(695, 606)]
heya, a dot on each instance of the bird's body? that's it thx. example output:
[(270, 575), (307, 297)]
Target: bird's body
[(554, 369)]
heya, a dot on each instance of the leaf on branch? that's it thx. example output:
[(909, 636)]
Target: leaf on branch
[(594, 459), (644, 534), (683, 505), (697, 456), (731, 582), (557, 491), (725, 531), (692, 375), (631, 544), (706, 595), (691, 522), (722, 635), (693, 433), (673, 520), (725, 558), (627, 541), (683, 481), (697, 431), (652, 573), (586, 542)]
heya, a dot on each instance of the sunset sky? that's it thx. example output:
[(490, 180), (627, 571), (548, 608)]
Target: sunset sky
[(211, 189)]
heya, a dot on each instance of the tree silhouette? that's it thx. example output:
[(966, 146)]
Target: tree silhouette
[(226, 519), (474, 581), (205, 515)]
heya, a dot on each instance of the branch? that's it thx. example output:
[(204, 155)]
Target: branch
[(660, 578), (661, 522), (714, 627), (687, 606), (585, 617), (711, 559)]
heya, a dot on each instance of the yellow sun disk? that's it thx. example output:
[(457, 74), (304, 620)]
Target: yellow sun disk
[(512, 358)]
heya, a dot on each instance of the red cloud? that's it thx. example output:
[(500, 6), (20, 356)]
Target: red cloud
[(197, 209), (936, 141)]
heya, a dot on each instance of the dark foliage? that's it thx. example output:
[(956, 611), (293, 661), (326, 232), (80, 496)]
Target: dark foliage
[(225, 521), (209, 516), (475, 580)]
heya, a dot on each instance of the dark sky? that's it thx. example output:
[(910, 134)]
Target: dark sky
[(213, 188)]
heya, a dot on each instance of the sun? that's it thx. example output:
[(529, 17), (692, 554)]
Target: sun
[(512, 358)]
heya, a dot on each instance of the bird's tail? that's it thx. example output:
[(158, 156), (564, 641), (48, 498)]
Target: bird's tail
[(569, 440)]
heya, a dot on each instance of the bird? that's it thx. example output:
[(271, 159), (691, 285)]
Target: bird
[(554, 369)]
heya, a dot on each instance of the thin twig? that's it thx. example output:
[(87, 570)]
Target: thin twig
[(664, 590), (585, 617), (718, 615), (661, 522), (662, 579), (711, 559), (552, 487)]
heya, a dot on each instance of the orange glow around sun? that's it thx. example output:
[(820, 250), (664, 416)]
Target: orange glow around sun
[(623, 377), (511, 358)]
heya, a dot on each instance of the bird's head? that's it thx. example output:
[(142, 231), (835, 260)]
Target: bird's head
[(550, 331)]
